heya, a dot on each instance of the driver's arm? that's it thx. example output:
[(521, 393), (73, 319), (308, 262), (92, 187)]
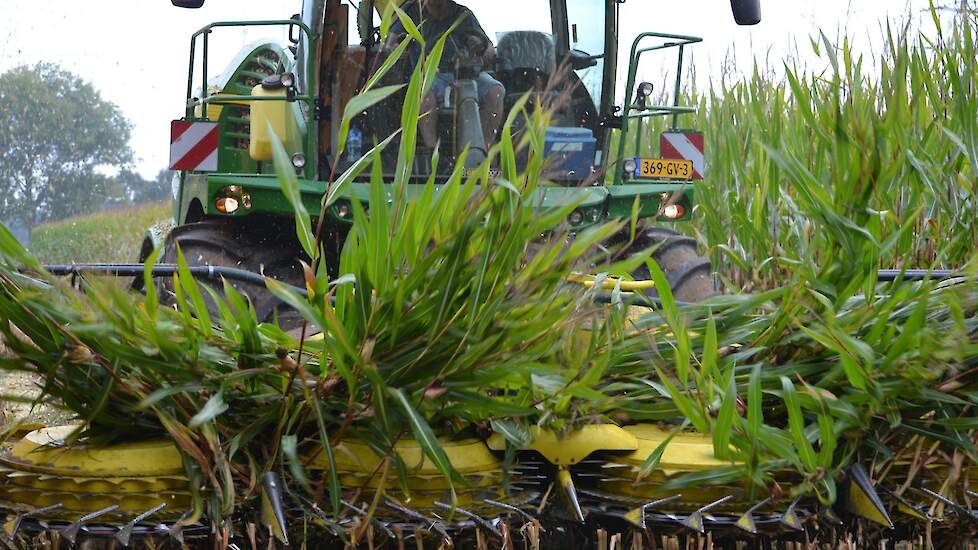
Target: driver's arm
[(482, 47)]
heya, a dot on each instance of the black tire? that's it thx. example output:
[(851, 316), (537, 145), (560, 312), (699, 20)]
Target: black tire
[(690, 275), (267, 247)]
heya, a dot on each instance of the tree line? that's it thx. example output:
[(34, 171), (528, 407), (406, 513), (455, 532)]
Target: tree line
[(64, 149)]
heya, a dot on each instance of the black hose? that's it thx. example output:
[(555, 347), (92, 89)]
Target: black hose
[(890, 275), (250, 277), (166, 270)]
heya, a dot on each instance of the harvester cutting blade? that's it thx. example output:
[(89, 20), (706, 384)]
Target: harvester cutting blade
[(272, 510), (958, 509), (125, 532), (11, 527), (636, 516), (523, 513), (829, 516), (362, 513), (746, 521), (790, 518), (175, 530), (863, 500), (569, 493), (695, 522), (908, 508), (71, 532), (473, 516), (436, 526)]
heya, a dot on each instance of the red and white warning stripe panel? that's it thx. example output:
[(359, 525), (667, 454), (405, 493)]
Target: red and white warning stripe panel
[(193, 145), (685, 145)]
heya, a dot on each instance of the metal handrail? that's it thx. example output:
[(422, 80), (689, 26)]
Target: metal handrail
[(309, 97), (672, 41), (659, 110)]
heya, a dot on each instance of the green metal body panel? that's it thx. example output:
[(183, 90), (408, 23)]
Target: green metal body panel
[(651, 196), (596, 203)]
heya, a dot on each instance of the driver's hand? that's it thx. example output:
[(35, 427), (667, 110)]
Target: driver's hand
[(475, 44)]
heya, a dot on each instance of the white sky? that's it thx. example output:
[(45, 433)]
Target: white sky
[(136, 51)]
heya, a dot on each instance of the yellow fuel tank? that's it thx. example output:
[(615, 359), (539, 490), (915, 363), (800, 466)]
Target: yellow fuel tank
[(271, 117)]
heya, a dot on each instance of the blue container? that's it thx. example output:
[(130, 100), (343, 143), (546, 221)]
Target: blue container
[(570, 153)]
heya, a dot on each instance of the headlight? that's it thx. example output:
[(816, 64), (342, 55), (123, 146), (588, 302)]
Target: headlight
[(226, 205), (343, 210), (575, 217), (288, 80), (630, 166), (230, 198), (298, 160), (674, 211)]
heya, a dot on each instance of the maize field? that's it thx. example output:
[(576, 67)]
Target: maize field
[(804, 387)]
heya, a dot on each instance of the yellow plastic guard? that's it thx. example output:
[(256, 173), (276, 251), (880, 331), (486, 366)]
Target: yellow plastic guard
[(575, 446), (686, 452), (42, 470), (466, 456), (44, 451), (610, 282)]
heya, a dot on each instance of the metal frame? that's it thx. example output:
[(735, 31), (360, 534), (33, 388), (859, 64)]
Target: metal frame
[(193, 102), (310, 97), (669, 41)]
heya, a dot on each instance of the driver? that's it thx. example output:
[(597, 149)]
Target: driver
[(467, 45)]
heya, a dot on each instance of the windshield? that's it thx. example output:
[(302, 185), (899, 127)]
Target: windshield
[(585, 27), (496, 53), (500, 16)]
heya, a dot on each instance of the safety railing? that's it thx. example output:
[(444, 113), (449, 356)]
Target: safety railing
[(633, 112), (309, 97)]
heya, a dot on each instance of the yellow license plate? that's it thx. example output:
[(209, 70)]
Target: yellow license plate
[(670, 169)]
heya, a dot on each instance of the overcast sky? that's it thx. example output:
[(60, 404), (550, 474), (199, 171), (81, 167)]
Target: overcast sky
[(136, 51)]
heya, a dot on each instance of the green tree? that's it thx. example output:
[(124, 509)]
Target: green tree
[(57, 136), (139, 190)]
